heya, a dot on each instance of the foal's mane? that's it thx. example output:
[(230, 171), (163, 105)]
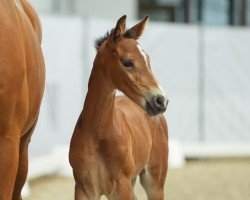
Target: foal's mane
[(99, 41)]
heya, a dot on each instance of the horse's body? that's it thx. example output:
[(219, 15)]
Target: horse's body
[(22, 75), (114, 139)]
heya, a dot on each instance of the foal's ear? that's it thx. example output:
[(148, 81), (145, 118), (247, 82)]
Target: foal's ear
[(137, 30), (120, 28)]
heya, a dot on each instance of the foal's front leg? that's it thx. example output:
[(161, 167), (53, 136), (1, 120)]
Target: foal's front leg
[(85, 189), (123, 190), (82, 193)]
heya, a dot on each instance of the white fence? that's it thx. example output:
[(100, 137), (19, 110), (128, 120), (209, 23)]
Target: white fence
[(174, 50)]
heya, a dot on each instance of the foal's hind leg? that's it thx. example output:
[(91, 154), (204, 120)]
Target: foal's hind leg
[(23, 164), (153, 187), (153, 176), (133, 192)]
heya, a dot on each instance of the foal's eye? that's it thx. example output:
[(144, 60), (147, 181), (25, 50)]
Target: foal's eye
[(127, 63)]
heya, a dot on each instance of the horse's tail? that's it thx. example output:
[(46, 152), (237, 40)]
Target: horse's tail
[(33, 17)]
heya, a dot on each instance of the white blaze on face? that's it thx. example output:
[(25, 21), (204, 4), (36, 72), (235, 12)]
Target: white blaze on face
[(155, 91), (143, 54)]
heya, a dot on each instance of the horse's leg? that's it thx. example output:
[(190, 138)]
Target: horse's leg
[(9, 148), (154, 175), (23, 164), (21, 175)]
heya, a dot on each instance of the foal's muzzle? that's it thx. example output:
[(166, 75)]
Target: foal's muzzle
[(156, 105)]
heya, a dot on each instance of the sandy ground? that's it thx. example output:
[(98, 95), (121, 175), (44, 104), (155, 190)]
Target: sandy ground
[(198, 180)]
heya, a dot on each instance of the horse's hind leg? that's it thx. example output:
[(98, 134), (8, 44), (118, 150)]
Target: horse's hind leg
[(8, 163), (21, 175), (23, 164)]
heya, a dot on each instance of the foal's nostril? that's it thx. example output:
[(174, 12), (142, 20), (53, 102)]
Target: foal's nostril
[(160, 102), (156, 105)]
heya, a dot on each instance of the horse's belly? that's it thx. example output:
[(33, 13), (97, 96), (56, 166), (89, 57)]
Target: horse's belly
[(35, 69), (22, 74)]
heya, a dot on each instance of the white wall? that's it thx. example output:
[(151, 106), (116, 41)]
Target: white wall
[(44, 6), (64, 94), (89, 8), (227, 104), (108, 8)]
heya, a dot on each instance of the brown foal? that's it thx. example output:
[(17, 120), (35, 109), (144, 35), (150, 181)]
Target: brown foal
[(118, 138), (22, 75)]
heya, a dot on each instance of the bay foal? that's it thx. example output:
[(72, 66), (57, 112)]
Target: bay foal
[(21, 89), (118, 138)]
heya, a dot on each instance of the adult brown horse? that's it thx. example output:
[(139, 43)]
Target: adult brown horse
[(118, 138), (22, 76)]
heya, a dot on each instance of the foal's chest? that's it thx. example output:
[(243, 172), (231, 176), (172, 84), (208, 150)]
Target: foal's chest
[(124, 152)]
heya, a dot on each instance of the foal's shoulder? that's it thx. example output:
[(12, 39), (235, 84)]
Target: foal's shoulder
[(123, 102), (128, 110)]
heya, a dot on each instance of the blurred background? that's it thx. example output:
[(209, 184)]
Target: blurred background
[(200, 53)]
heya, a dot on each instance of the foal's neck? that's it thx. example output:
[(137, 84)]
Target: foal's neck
[(98, 108)]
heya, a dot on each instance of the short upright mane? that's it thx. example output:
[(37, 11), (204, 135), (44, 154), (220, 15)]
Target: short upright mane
[(99, 41)]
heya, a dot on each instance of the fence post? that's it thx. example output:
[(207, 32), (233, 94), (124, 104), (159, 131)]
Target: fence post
[(201, 74)]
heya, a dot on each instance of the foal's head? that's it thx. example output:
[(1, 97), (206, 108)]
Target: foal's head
[(128, 68)]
